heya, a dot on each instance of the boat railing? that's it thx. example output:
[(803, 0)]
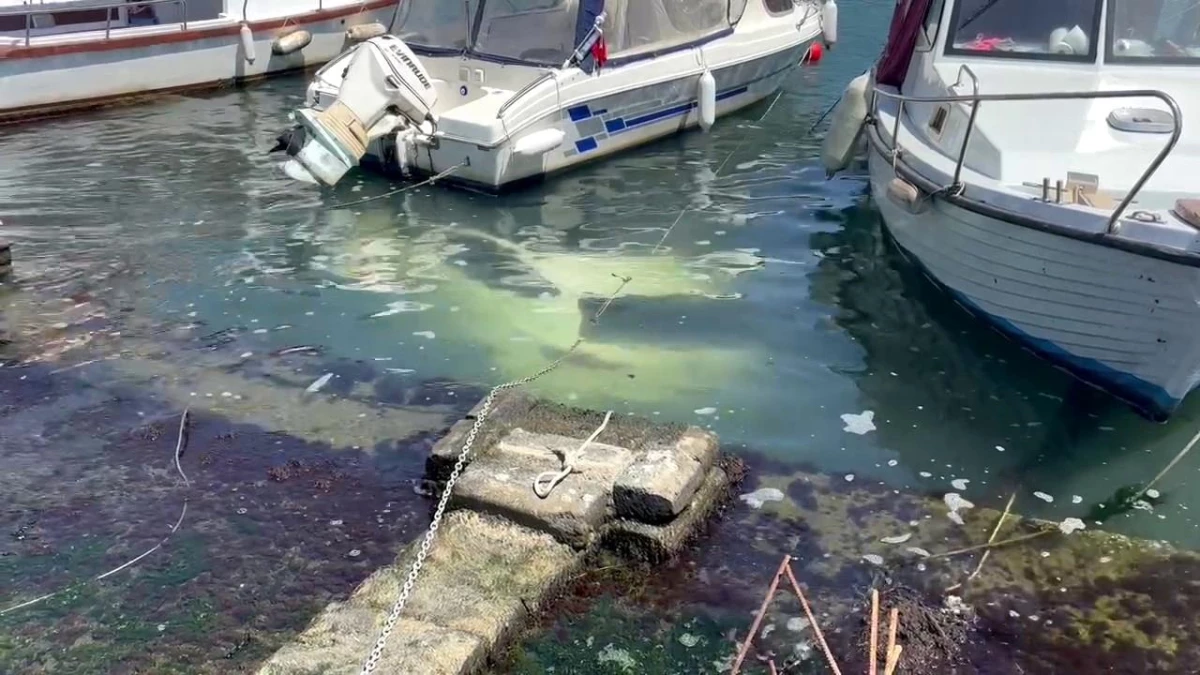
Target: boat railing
[(975, 99), (30, 11), (521, 92)]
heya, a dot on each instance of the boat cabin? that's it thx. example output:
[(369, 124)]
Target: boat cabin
[(1098, 148)]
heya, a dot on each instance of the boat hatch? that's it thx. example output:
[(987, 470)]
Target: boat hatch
[(1141, 120)]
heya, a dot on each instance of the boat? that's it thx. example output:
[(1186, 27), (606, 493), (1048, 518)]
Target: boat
[(65, 55), (513, 90), (1031, 159)]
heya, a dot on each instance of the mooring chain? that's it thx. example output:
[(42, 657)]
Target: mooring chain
[(423, 552)]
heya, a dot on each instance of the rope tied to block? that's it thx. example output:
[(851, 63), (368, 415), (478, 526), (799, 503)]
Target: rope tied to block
[(546, 481)]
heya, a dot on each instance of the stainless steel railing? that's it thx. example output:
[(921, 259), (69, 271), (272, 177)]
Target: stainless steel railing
[(30, 11), (975, 99)]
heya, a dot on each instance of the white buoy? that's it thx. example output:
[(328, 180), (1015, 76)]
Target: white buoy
[(829, 22), (539, 143), (707, 97), (366, 31), (247, 43), (291, 43), (848, 117)]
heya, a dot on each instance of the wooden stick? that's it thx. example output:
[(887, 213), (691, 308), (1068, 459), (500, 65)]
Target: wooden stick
[(787, 568), (871, 656), (762, 612), (771, 663), (893, 627), (893, 660), (998, 544), (995, 531)]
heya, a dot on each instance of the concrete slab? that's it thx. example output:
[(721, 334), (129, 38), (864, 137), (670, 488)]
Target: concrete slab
[(479, 584), (655, 543), (661, 483)]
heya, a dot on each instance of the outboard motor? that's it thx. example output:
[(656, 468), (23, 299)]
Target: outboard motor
[(384, 87)]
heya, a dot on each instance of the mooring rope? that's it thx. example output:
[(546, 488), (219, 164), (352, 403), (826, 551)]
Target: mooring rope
[(423, 552), (186, 483), (406, 188), (546, 481)]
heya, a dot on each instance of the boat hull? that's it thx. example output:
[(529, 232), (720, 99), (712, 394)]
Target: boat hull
[(599, 127), (88, 70), (1119, 321)]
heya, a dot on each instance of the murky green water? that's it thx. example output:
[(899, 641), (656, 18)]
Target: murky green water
[(771, 309)]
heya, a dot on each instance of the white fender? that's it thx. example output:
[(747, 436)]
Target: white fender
[(829, 22), (849, 115), (292, 42), (707, 96), (539, 143), (247, 43), (366, 31)]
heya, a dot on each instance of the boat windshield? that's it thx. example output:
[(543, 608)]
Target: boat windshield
[(1153, 31), (1062, 30), (546, 32)]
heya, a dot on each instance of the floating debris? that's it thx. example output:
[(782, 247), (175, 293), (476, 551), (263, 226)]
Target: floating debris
[(688, 640), (1076, 499), (620, 657), (898, 539), (849, 478), (955, 503), (1044, 497), (960, 484), (797, 624), (761, 496), (919, 551), (861, 423), (705, 411), (427, 334), (1071, 525), (874, 559), (319, 384)]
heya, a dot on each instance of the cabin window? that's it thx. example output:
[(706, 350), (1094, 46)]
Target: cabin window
[(1153, 31), (16, 22), (779, 6), (1065, 30), (929, 32)]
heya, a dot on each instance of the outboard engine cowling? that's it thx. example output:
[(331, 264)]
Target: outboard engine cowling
[(384, 86)]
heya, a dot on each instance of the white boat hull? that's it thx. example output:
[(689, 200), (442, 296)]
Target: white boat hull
[(1123, 322), (55, 74)]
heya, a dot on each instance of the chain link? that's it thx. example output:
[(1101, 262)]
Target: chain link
[(423, 552)]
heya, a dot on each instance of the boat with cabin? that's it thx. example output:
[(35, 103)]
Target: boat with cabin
[(491, 93), (1032, 158), (63, 55)]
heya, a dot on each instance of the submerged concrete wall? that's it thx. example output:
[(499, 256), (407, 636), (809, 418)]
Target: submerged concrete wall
[(503, 552)]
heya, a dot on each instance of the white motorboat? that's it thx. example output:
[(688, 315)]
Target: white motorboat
[(61, 55), (491, 92), (1031, 158)]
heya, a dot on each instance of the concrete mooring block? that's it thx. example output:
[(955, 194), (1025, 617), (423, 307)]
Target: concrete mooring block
[(503, 551)]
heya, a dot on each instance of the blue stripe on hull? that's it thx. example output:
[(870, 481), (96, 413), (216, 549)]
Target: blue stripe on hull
[(1147, 398)]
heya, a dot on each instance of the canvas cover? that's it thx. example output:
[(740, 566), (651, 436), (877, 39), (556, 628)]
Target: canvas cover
[(907, 21)]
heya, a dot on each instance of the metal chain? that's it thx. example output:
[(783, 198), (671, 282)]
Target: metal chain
[(423, 552)]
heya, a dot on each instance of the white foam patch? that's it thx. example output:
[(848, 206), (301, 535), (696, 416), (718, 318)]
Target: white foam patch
[(1071, 525), (705, 411), (860, 423)]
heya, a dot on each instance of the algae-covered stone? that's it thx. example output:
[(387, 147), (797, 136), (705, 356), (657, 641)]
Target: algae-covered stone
[(507, 408), (480, 581), (663, 480), (341, 638), (643, 541), (502, 483)]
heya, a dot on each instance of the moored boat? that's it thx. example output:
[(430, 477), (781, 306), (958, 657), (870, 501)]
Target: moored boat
[(1032, 159), (62, 55), (512, 91)]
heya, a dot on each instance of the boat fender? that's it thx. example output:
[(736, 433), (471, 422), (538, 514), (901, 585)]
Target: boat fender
[(829, 23), (813, 54), (905, 195), (366, 31), (539, 143), (291, 43), (849, 115), (247, 43), (707, 97)]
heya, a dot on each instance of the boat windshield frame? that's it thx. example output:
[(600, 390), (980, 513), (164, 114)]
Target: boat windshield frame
[(985, 51), (1111, 39)]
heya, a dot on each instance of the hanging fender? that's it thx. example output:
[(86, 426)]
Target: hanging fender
[(707, 99), (247, 37)]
